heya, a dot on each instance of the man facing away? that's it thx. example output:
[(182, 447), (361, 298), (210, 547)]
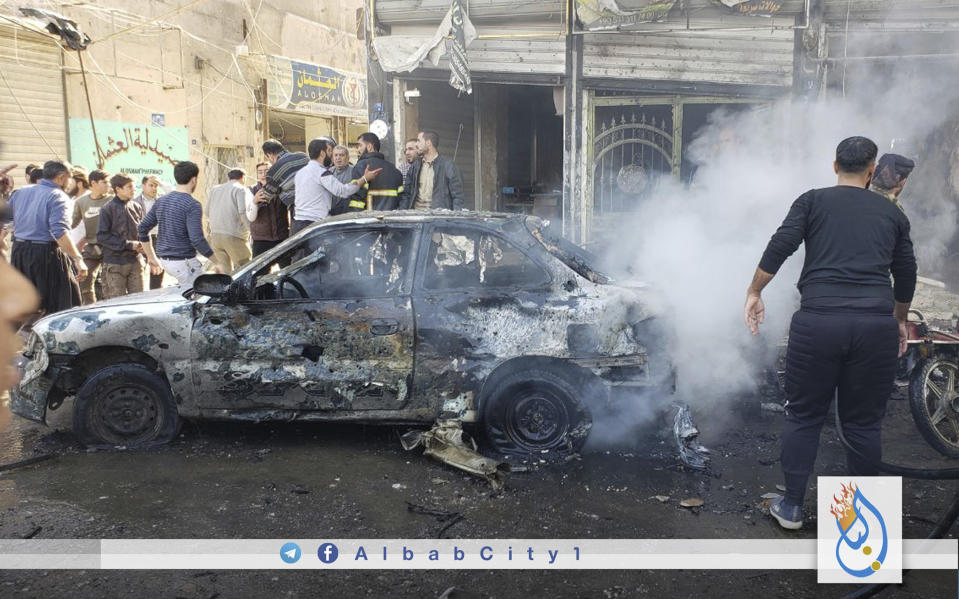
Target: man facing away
[(890, 177), (146, 199), (87, 211), (42, 249), (851, 325), (228, 209), (119, 219), (433, 180), (316, 186), (179, 218), (280, 178)]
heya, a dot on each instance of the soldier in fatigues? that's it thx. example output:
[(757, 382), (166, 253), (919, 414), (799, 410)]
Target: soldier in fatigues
[(890, 177)]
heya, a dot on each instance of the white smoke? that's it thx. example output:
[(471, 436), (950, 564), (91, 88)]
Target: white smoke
[(699, 244)]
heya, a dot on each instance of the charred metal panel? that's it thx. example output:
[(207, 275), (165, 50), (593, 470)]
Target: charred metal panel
[(304, 355)]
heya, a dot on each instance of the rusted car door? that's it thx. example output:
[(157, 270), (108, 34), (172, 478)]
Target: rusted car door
[(478, 300), (346, 346)]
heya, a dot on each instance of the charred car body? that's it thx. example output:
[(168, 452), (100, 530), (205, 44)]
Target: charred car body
[(396, 317)]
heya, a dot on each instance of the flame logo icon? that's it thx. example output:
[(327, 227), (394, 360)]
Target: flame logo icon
[(860, 551)]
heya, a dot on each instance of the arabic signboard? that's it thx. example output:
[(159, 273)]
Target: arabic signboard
[(597, 15), (753, 8), (137, 149), (316, 89)]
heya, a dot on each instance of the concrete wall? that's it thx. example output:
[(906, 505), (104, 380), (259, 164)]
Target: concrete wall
[(181, 59)]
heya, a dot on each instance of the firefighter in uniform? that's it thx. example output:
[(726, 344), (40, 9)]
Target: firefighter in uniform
[(383, 193)]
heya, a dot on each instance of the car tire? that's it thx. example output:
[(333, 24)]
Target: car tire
[(943, 434), (535, 411), (127, 405)]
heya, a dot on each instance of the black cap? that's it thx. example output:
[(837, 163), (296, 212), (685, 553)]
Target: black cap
[(891, 169)]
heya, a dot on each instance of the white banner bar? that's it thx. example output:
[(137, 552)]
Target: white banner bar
[(466, 554)]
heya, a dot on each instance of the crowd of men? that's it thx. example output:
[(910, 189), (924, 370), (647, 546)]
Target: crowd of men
[(81, 236)]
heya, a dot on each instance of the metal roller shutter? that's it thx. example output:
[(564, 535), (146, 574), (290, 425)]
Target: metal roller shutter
[(30, 63), (445, 113)]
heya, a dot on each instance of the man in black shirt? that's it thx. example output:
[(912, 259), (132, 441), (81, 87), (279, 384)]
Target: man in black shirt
[(851, 322)]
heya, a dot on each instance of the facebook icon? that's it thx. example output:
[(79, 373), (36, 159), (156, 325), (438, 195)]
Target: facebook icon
[(328, 553)]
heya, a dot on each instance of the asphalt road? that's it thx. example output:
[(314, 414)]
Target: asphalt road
[(343, 481)]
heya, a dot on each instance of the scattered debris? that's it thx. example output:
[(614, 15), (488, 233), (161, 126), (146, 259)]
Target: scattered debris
[(439, 481), (444, 442), (32, 533), (660, 498), (781, 488), (440, 515), (692, 502), (27, 462), (773, 407), (769, 495), (300, 490), (691, 452), (399, 486), (768, 461)]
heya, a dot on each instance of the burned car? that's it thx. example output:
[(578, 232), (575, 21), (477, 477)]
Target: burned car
[(401, 317)]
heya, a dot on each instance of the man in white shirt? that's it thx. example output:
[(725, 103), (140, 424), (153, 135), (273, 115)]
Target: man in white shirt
[(228, 212), (316, 185)]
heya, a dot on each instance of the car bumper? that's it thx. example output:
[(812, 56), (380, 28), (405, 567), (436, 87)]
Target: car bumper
[(29, 397)]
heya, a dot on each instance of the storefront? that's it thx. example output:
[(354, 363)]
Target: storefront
[(306, 101)]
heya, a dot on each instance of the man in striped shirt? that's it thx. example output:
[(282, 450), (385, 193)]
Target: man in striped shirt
[(179, 218)]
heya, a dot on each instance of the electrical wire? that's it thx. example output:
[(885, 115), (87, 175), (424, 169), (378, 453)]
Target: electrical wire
[(152, 21)]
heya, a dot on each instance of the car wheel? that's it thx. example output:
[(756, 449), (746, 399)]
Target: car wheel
[(126, 404), (934, 400), (535, 411)]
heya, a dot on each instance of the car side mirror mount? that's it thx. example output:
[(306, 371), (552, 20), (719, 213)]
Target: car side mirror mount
[(213, 285)]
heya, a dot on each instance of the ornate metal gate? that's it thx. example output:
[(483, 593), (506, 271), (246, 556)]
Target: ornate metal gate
[(630, 149)]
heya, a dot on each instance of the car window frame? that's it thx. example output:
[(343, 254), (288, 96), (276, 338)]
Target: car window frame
[(406, 288), (422, 261)]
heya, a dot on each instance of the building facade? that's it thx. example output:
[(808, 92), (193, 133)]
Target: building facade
[(163, 81), (578, 104)]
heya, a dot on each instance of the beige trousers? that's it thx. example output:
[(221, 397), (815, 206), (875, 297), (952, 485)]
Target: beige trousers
[(230, 251)]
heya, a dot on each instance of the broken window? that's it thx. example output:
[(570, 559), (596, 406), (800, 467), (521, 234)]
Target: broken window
[(351, 264), (469, 258)]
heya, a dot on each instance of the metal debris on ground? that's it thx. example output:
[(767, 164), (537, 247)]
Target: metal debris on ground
[(773, 407), (769, 495), (692, 502), (660, 498), (445, 443), (691, 452)]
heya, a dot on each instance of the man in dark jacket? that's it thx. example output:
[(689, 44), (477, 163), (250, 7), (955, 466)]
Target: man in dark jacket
[(385, 192), (851, 324), (433, 181)]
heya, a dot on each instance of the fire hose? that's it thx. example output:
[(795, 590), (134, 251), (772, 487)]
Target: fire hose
[(941, 528)]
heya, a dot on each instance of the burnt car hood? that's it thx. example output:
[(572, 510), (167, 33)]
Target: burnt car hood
[(165, 295)]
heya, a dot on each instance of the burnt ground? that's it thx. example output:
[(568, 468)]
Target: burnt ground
[(341, 481)]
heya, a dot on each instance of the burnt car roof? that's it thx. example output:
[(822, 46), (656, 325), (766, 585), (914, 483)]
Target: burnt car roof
[(428, 216)]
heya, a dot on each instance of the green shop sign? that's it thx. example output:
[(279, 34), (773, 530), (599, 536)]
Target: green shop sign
[(137, 149)]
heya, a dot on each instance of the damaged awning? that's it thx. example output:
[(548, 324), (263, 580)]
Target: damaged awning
[(405, 53)]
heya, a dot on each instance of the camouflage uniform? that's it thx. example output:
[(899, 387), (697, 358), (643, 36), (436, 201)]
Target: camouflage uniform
[(886, 193)]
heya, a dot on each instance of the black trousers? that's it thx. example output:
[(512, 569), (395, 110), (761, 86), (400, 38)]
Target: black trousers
[(259, 247), (50, 271), (156, 281), (854, 352)]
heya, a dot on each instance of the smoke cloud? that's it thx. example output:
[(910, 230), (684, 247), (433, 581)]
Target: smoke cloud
[(698, 244)]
